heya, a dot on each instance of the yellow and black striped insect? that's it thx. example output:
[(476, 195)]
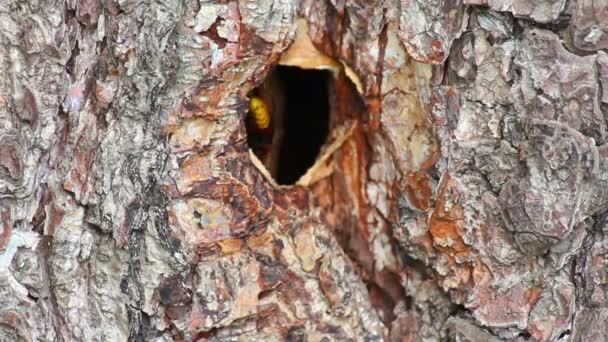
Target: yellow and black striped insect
[(259, 112), (264, 123)]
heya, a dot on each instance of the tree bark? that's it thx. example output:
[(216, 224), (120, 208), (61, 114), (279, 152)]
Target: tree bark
[(460, 194)]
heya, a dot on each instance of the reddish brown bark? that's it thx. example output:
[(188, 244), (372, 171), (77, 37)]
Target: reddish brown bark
[(459, 196)]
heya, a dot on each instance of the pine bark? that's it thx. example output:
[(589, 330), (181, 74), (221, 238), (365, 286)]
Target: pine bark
[(460, 195)]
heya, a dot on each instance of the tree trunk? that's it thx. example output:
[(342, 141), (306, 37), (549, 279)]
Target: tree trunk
[(459, 193)]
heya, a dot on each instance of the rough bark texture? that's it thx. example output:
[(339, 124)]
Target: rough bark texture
[(466, 200)]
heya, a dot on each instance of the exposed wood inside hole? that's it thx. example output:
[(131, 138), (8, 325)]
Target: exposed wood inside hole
[(303, 54)]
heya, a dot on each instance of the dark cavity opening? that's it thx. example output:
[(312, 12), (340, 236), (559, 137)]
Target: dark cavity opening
[(298, 102)]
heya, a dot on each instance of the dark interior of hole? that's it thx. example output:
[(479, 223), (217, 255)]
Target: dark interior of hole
[(305, 120)]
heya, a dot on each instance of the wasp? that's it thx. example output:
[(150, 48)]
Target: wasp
[(265, 122), (259, 112)]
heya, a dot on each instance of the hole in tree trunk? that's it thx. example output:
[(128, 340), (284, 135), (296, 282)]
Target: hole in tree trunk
[(288, 121)]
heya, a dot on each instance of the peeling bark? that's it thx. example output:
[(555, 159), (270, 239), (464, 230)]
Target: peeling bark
[(460, 194)]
